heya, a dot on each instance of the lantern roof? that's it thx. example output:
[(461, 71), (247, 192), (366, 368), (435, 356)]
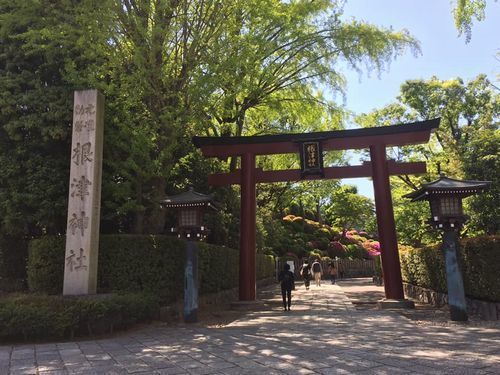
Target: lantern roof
[(446, 185), (189, 198)]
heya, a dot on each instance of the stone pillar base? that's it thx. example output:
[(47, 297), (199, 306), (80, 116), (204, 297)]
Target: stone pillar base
[(395, 304)]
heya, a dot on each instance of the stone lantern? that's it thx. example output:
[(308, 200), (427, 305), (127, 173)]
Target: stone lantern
[(190, 208), (445, 197)]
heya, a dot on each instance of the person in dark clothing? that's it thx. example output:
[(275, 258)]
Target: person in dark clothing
[(341, 271), (286, 279), (305, 272)]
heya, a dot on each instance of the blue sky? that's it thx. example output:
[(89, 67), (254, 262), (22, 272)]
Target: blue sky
[(444, 54)]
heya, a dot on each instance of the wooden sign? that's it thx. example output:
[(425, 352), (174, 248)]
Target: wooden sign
[(311, 158)]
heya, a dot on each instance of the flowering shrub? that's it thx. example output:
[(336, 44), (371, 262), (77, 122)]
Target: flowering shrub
[(337, 245), (356, 251), (316, 253), (336, 249), (310, 244), (306, 235), (372, 247), (349, 239)]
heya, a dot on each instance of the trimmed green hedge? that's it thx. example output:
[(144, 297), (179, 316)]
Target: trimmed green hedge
[(13, 255), (46, 264), (129, 263), (217, 268), (150, 263), (151, 266), (479, 260), (481, 257), (32, 316)]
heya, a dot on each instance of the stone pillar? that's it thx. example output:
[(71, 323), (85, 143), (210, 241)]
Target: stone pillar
[(84, 203), (456, 291), (191, 283), (247, 289), (393, 282)]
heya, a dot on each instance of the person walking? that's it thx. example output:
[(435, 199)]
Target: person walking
[(287, 281), (333, 272), (305, 272), (317, 271), (341, 270)]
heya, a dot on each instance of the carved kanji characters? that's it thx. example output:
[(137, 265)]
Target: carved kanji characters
[(311, 156), (79, 110), (79, 125), (80, 223), (80, 261), (80, 187), (90, 125), (90, 109), (82, 153), (70, 261), (76, 263)]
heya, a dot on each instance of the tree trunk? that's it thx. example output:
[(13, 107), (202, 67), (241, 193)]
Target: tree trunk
[(319, 219), (156, 217), (139, 214)]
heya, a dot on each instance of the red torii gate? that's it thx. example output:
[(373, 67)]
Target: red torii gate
[(379, 169)]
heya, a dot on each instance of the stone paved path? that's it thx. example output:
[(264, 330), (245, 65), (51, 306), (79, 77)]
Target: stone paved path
[(323, 334)]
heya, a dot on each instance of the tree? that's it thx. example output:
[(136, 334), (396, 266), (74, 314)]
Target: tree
[(481, 161), (44, 56), (274, 53), (464, 13), (469, 120), (411, 217), (347, 209), (168, 69), (204, 67)]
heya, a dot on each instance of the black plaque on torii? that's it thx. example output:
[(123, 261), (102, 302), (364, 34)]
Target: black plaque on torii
[(311, 158)]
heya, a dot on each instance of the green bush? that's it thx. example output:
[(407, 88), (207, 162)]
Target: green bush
[(154, 264), (148, 269), (141, 263), (355, 251), (481, 267), (265, 266), (13, 257), (424, 267), (46, 265), (32, 316), (479, 260), (130, 263), (217, 268)]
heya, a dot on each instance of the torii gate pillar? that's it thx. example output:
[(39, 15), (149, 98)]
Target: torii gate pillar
[(393, 284), (247, 290)]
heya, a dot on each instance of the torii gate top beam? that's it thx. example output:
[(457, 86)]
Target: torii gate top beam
[(395, 135)]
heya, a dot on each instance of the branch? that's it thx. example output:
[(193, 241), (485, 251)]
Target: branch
[(407, 180)]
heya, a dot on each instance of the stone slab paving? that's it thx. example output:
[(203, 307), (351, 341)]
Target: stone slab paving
[(323, 334)]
